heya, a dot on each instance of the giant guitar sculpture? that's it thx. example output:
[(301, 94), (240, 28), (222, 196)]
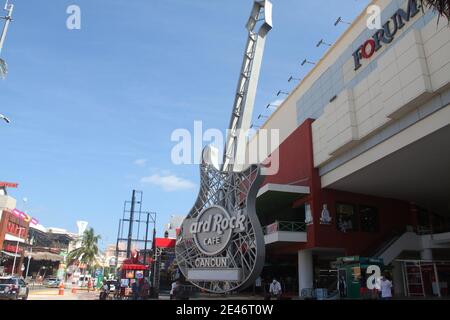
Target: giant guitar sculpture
[(220, 247)]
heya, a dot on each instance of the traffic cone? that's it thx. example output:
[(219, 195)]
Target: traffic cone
[(61, 289)]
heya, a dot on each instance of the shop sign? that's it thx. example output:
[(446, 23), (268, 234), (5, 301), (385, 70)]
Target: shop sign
[(8, 185), (15, 229), (386, 34), (213, 229), (12, 248)]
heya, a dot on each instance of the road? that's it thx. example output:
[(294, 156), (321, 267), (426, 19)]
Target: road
[(52, 294)]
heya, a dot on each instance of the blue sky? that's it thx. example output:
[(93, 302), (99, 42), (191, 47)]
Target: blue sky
[(93, 110)]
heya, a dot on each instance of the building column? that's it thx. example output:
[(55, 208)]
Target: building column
[(305, 270), (426, 254), (398, 279)]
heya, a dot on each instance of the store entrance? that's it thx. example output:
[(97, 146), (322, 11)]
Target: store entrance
[(426, 278)]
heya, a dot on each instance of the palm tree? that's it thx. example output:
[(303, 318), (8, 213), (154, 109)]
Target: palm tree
[(441, 6), (88, 252)]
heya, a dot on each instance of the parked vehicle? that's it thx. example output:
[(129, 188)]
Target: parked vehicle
[(52, 282), (13, 288)]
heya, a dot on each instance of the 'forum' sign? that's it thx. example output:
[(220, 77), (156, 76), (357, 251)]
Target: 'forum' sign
[(386, 34)]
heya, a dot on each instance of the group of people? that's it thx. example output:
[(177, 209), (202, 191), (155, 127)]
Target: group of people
[(383, 288), (140, 290)]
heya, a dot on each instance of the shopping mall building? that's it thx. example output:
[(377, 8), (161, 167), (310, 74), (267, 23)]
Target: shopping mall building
[(364, 159), (13, 232)]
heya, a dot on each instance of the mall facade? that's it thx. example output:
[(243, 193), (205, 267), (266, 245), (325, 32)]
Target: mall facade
[(364, 159)]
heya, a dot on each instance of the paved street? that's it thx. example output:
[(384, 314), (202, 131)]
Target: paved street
[(52, 294)]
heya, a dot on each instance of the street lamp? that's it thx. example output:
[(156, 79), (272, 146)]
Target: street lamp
[(282, 92), (322, 42), (6, 119), (29, 256), (339, 20), (306, 61)]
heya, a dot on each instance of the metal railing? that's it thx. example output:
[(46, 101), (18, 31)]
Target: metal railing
[(289, 226)]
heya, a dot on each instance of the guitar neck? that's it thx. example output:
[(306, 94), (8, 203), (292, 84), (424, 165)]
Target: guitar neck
[(258, 26)]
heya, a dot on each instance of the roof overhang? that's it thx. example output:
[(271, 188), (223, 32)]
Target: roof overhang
[(283, 188), (10, 237)]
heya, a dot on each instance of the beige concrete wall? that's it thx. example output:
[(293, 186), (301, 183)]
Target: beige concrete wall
[(284, 118), (410, 73), (7, 202)]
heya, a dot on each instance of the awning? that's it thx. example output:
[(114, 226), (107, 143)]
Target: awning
[(165, 243), (10, 237), (294, 190), (134, 267), (45, 256)]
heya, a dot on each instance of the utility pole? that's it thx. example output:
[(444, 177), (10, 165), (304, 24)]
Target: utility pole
[(8, 18), (155, 285), (146, 238), (130, 228), (9, 8)]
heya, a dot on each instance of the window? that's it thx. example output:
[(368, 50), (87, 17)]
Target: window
[(346, 217), (369, 219)]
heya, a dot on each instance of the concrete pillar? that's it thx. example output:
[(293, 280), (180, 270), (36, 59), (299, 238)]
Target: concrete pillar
[(305, 270), (426, 254), (397, 274)]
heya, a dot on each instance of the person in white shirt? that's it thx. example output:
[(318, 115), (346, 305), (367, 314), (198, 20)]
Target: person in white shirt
[(275, 289), (386, 288), (173, 289)]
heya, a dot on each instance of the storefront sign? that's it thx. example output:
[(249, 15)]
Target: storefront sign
[(15, 229), (8, 185), (213, 229), (12, 248), (387, 34)]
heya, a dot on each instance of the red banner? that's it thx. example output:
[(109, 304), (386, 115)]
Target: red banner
[(8, 185), (12, 249)]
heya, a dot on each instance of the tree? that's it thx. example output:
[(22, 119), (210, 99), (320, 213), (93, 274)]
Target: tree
[(441, 6), (88, 252)]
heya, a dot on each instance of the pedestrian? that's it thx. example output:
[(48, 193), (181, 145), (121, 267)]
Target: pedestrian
[(275, 289), (104, 293), (89, 285), (173, 289), (145, 292), (385, 288), (135, 290), (258, 285), (342, 287)]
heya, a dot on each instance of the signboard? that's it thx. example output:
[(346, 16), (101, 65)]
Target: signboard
[(386, 34), (82, 225), (8, 185), (12, 248)]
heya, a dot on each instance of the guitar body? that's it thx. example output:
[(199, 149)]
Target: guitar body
[(215, 255), (220, 247)]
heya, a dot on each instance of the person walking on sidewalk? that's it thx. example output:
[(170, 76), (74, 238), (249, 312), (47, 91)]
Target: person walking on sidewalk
[(385, 288), (275, 289)]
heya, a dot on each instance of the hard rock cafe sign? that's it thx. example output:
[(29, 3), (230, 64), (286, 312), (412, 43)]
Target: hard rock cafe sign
[(220, 247)]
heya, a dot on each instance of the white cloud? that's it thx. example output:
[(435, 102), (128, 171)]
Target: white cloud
[(169, 183), (140, 162), (277, 102)]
